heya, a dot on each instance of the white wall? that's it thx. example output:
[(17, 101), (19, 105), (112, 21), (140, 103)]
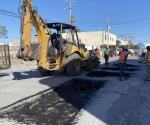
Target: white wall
[(97, 38), (123, 42), (109, 38), (147, 44)]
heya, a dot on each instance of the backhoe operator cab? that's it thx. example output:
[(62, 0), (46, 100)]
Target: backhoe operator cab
[(63, 35), (65, 51)]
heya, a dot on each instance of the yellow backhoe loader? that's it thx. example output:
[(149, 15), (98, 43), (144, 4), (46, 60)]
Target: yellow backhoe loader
[(58, 47)]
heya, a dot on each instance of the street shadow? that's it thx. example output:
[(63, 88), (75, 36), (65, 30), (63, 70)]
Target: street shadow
[(113, 70), (131, 63), (103, 73), (4, 74), (117, 68), (26, 75), (127, 65)]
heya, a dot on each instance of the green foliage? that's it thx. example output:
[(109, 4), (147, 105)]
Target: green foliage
[(3, 31)]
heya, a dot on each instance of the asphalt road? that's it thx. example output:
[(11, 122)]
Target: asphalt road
[(117, 103)]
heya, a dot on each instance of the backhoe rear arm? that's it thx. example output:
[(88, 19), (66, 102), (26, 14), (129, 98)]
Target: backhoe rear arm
[(31, 18)]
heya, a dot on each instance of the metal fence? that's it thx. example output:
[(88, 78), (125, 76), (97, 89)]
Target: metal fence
[(5, 62)]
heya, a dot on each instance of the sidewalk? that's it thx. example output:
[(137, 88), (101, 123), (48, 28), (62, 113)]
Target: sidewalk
[(120, 102)]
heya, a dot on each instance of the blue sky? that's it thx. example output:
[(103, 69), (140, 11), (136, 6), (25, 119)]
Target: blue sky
[(131, 16)]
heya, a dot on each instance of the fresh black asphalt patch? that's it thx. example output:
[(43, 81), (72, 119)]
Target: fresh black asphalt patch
[(105, 74), (127, 65), (57, 107), (117, 68)]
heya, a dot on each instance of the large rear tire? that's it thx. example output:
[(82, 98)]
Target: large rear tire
[(73, 68), (96, 64), (44, 72), (89, 65)]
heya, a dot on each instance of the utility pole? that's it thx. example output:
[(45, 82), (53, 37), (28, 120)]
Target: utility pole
[(130, 40), (71, 8), (108, 28), (103, 35), (108, 24)]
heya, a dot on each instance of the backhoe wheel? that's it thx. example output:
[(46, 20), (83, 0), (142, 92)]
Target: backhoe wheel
[(73, 68), (96, 64), (44, 72), (89, 65)]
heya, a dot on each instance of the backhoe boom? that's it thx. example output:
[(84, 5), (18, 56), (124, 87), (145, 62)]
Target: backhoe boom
[(31, 18)]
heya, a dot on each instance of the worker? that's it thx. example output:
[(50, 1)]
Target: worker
[(61, 40), (147, 65), (106, 56), (87, 53), (122, 62), (55, 42), (97, 53), (127, 53)]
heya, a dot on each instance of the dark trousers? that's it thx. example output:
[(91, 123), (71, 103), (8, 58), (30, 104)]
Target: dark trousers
[(147, 72), (106, 60), (122, 69)]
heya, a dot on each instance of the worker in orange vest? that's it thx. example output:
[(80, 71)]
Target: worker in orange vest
[(147, 65), (97, 53), (122, 62)]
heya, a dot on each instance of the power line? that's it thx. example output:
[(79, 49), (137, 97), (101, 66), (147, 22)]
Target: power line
[(88, 25), (115, 22), (131, 21), (6, 14), (9, 13)]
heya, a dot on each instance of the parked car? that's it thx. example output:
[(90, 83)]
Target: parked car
[(117, 51)]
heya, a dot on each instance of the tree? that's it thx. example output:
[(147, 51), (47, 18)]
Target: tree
[(72, 20), (118, 42), (3, 31)]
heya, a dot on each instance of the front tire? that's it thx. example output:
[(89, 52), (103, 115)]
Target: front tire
[(96, 63), (73, 68), (44, 72), (89, 65)]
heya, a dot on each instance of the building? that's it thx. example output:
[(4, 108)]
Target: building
[(122, 42), (97, 39), (92, 40), (147, 44)]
